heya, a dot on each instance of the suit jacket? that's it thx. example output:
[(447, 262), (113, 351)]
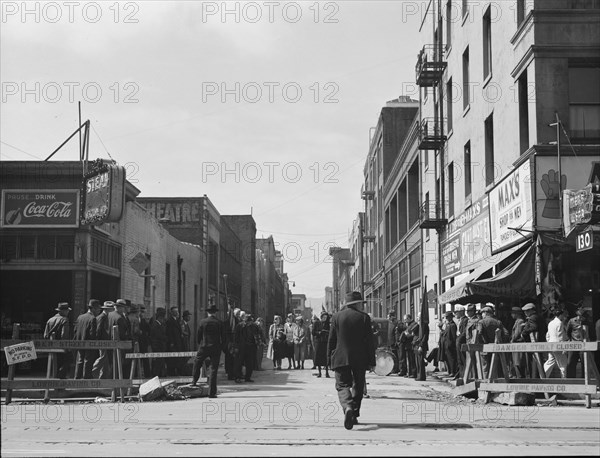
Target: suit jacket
[(59, 325), (85, 327), (174, 335), (212, 334), (115, 318), (158, 336), (351, 340), (102, 327), (422, 341)]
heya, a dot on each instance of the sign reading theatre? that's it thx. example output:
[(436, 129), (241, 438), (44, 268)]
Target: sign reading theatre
[(510, 207), (31, 208), (103, 193)]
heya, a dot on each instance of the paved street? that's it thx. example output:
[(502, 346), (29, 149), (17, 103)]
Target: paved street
[(293, 413)]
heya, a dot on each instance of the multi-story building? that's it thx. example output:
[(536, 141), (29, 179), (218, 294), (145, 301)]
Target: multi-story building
[(339, 260), (492, 77), (274, 291), (395, 120), (328, 299)]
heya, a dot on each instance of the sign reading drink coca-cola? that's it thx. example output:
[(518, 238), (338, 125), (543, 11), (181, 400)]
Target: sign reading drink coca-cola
[(103, 193), (26, 208)]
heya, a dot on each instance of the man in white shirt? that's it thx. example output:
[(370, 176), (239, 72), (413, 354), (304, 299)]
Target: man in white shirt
[(557, 332)]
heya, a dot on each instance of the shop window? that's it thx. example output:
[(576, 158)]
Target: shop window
[(9, 248), (27, 247), (65, 247), (584, 103)]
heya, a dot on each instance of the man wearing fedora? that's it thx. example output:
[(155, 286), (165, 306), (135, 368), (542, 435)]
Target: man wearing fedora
[(85, 329), (212, 340), (350, 352), (101, 368), (58, 328)]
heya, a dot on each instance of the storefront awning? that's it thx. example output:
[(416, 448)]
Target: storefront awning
[(515, 281)]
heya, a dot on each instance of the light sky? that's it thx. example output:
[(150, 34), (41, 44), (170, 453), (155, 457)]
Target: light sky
[(266, 109)]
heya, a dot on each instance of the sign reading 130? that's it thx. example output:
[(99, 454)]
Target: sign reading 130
[(584, 241)]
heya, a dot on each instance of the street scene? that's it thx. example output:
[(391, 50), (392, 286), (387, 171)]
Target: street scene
[(329, 228)]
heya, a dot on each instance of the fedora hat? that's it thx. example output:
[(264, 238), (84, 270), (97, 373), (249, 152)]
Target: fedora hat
[(528, 306), (121, 302), (354, 298), (211, 308), (63, 306), (108, 305), (94, 303)]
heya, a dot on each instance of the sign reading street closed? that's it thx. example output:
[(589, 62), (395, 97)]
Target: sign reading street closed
[(103, 193), (20, 353)]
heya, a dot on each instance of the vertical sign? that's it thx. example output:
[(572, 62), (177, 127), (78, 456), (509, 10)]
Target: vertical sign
[(103, 193)]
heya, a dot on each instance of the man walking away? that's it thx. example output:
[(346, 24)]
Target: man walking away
[(58, 327), (85, 329), (212, 340), (158, 341), (101, 367), (350, 353)]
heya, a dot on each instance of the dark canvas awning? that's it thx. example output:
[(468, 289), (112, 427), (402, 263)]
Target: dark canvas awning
[(515, 281)]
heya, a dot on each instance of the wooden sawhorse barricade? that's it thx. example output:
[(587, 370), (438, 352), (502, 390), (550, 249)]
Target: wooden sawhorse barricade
[(588, 385), (53, 348)]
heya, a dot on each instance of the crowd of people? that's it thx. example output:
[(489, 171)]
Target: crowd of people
[(466, 324)]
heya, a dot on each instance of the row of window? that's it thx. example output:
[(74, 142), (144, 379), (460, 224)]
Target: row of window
[(38, 247)]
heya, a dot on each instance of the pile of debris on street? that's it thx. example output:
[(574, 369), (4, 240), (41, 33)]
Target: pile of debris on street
[(157, 390)]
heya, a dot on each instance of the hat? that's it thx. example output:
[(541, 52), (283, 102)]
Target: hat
[(94, 303), (449, 314), (516, 310), (186, 313), (63, 306), (133, 308), (108, 305), (354, 298), (459, 308), (323, 313), (299, 318), (490, 305), (121, 302), (471, 307), (212, 308), (528, 306), (486, 310), (142, 308)]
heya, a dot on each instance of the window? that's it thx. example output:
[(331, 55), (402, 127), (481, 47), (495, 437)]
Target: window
[(183, 287), (489, 150), (449, 95), (467, 163), (584, 103), (448, 24), (465, 62), (168, 283), (426, 212), (451, 189), (402, 210), (413, 194), (523, 112), (487, 43), (520, 12), (147, 278)]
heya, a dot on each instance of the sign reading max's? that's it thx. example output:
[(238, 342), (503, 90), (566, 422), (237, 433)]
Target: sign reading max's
[(30, 208)]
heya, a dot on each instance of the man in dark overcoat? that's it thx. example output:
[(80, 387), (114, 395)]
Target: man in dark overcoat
[(85, 329), (350, 353)]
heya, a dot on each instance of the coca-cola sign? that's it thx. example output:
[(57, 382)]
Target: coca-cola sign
[(26, 208)]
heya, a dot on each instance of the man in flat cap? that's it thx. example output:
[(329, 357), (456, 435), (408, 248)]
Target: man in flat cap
[(58, 328), (534, 330), (350, 352), (519, 364), (85, 329), (102, 365), (461, 338), (212, 340)]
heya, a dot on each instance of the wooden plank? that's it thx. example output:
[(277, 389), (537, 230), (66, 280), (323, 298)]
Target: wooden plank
[(171, 354), (534, 347), (178, 380), (466, 388), (551, 381), (42, 345), (537, 388), (64, 384)]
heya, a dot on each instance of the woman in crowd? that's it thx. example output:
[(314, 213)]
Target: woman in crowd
[(260, 345), (277, 341), (300, 333), (320, 334), (289, 339)]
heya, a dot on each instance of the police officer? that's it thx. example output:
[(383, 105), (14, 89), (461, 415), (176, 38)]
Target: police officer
[(212, 340)]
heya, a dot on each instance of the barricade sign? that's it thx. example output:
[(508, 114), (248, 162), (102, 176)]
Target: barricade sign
[(43, 345), (20, 353)]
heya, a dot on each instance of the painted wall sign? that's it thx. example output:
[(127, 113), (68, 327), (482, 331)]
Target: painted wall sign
[(31, 208), (103, 193), (510, 208), (178, 212), (451, 256)]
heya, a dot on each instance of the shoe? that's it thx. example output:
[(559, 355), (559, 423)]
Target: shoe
[(319, 375), (327, 375), (349, 419), (212, 396), (403, 374), (313, 368), (303, 366), (355, 421), (249, 380), (230, 378), (435, 369), (278, 367), (239, 380)]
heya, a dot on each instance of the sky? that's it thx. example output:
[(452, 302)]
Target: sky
[(265, 107)]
